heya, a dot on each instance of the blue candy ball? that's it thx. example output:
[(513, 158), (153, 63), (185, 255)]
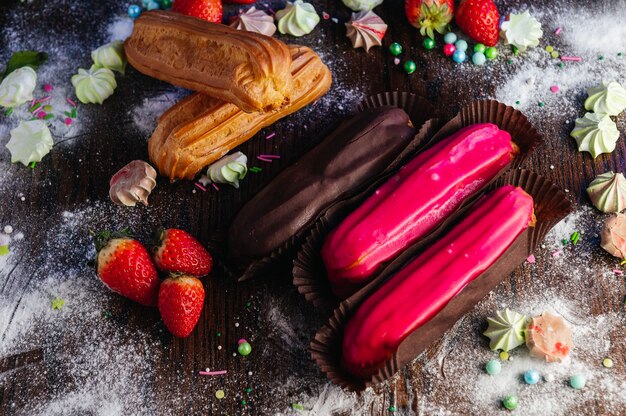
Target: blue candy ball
[(459, 56), (461, 45), (145, 3), (153, 5), (493, 367), (449, 38), (532, 377), (577, 381), (134, 11), (479, 58)]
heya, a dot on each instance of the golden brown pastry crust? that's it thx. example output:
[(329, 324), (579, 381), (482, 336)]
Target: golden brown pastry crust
[(247, 69), (199, 129)]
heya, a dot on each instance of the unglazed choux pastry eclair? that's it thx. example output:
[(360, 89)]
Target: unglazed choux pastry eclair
[(247, 69), (199, 130)]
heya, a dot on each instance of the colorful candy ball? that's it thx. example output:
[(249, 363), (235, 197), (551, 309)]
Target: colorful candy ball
[(166, 4), (152, 5), (428, 43), (461, 45), (448, 49), (510, 402), (493, 367), (395, 49), (479, 58), (578, 381), (491, 53), (134, 11), (532, 377), (244, 348), (459, 56), (449, 38), (409, 67), (479, 47)]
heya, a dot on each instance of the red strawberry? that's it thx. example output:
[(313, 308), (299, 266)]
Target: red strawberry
[(479, 20), (429, 15), (125, 267), (181, 299), (209, 10), (178, 252)]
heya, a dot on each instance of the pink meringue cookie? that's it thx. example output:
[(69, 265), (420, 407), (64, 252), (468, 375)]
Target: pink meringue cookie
[(548, 337), (366, 29), (133, 183), (614, 235), (254, 20)]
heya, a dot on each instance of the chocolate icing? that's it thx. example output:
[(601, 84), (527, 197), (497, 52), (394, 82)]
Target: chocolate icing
[(342, 164)]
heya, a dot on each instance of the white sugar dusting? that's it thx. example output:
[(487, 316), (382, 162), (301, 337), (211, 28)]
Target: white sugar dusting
[(83, 340), (599, 39), (120, 28), (146, 114)]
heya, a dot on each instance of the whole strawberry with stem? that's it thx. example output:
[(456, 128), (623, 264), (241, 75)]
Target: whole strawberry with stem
[(124, 266), (429, 16), (177, 251), (209, 10), (181, 299), (479, 19)]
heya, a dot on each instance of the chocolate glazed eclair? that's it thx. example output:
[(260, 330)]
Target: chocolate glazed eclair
[(343, 164)]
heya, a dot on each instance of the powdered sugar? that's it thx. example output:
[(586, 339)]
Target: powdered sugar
[(597, 38), (603, 31), (120, 28), (146, 114)]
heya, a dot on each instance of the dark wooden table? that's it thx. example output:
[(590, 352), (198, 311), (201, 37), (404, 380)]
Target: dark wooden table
[(102, 354)]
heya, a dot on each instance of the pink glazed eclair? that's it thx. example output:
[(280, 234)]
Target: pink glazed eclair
[(421, 289), (413, 202)]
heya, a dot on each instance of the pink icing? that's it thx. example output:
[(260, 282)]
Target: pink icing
[(424, 287), (413, 202)]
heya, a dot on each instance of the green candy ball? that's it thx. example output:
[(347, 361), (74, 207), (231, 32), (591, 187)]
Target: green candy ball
[(395, 49), (166, 4), (479, 47), (409, 67), (577, 381), (429, 43), (244, 348), (493, 367), (510, 402), (491, 52)]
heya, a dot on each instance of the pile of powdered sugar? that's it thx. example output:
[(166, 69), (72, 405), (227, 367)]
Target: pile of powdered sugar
[(598, 38)]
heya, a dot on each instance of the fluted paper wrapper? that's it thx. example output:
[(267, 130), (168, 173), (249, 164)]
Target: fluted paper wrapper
[(309, 274), (420, 111), (550, 206)]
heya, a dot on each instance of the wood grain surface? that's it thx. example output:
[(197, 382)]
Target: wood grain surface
[(76, 175)]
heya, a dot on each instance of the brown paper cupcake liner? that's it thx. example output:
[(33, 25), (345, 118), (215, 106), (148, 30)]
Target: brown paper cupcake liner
[(309, 274), (417, 107), (550, 206), (420, 112)]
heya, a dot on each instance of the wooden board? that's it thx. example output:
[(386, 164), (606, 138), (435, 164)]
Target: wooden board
[(277, 321)]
